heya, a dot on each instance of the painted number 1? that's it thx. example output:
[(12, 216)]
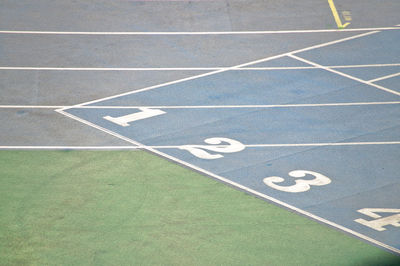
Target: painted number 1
[(126, 119)]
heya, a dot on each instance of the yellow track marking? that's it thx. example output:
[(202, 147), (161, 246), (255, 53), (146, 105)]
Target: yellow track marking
[(336, 16)]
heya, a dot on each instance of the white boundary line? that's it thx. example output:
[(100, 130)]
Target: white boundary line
[(183, 68), (197, 106), (14, 147), (226, 69), (188, 32), (323, 144), (344, 75), (237, 185), (385, 77), (150, 68)]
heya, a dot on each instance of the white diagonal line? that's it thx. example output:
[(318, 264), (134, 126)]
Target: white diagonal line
[(385, 77), (237, 185), (229, 68), (344, 74)]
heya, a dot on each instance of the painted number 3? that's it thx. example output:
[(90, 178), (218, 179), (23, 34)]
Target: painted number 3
[(301, 185)]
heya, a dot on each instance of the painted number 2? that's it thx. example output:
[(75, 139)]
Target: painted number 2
[(301, 185), (201, 151), (379, 222)]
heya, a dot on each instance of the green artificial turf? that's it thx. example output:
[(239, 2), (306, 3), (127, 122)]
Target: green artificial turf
[(133, 208)]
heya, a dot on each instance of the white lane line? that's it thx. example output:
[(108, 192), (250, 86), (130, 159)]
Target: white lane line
[(323, 144), (197, 106), (32, 147), (367, 65), (16, 147), (115, 68), (344, 75), (183, 68), (385, 77), (31, 106), (188, 32), (227, 69), (237, 185)]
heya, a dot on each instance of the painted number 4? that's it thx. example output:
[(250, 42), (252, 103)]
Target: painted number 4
[(379, 222)]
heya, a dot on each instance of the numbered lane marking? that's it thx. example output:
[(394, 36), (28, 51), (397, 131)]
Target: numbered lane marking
[(301, 185), (347, 15), (379, 222), (201, 151), (126, 119)]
